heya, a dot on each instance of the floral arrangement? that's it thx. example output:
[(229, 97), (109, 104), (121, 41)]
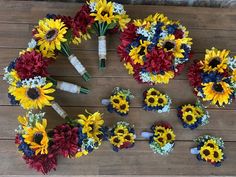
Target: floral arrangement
[(153, 100), (209, 149), (119, 101), (193, 115), (161, 139), (122, 136), (214, 77), (155, 49), (40, 148), (107, 17)]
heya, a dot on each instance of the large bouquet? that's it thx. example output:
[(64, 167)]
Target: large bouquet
[(214, 77), (155, 49)]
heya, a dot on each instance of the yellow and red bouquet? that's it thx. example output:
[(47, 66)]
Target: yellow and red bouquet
[(155, 49)]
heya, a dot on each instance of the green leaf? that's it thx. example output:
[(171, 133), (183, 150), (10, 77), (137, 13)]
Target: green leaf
[(111, 25)]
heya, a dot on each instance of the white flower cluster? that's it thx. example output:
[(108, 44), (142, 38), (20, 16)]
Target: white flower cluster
[(118, 8), (123, 123), (32, 44), (37, 81), (166, 108), (92, 6), (145, 77), (7, 76), (149, 34), (232, 63), (89, 142), (165, 150)]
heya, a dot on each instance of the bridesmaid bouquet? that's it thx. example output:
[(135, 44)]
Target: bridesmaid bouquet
[(214, 77), (40, 147), (108, 17), (155, 49)]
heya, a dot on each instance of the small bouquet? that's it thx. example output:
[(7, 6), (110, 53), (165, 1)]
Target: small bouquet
[(51, 36), (108, 17), (153, 100), (161, 139), (122, 136), (40, 147), (193, 115), (209, 149), (214, 77), (155, 49), (119, 101)]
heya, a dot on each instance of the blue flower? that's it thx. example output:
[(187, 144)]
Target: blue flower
[(12, 65), (116, 149), (51, 16), (25, 148), (12, 99), (171, 28)]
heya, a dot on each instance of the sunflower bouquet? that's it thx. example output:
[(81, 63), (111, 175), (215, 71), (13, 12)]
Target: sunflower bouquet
[(214, 77), (40, 148), (108, 17), (161, 139), (122, 136), (209, 149), (155, 49), (193, 115), (52, 36), (119, 101), (153, 100)]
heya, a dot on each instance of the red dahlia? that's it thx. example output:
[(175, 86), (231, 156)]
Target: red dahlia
[(31, 64), (194, 74), (65, 140)]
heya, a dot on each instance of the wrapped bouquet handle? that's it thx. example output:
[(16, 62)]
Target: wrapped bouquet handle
[(102, 51), (59, 109)]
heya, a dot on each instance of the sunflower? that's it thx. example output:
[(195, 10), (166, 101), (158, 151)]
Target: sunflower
[(33, 97), (23, 120), (123, 20), (50, 34), (121, 130), (161, 140), (129, 137), (189, 118), (137, 53), (234, 76), (129, 67), (211, 143), (151, 100), (188, 108), (162, 78), (37, 137), (217, 93), (161, 100), (206, 153), (159, 130), (104, 12), (13, 77), (123, 107), (117, 141), (115, 101), (170, 136), (152, 91), (199, 112), (217, 155), (91, 125), (81, 153), (215, 60)]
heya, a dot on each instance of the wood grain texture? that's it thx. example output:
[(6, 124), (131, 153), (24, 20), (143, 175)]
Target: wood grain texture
[(208, 27)]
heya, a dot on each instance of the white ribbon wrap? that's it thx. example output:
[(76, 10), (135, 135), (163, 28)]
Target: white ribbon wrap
[(76, 63), (59, 110), (102, 47), (146, 135), (105, 102), (194, 151), (68, 87)]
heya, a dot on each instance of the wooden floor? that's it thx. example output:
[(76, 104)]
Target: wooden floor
[(208, 27)]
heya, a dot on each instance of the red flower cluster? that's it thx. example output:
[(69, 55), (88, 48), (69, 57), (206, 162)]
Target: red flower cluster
[(158, 60), (31, 64), (65, 140), (194, 74), (163, 124)]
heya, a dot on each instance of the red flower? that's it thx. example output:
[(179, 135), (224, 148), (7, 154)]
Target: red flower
[(194, 74), (69, 22), (65, 140), (43, 162), (31, 64), (179, 69), (163, 124), (17, 139), (178, 34), (158, 60)]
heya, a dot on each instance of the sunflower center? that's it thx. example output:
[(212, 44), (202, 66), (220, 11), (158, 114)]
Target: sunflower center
[(151, 100), (169, 136), (116, 101), (214, 62), (188, 109), (123, 106), (216, 154), (160, 100), (169, 45), (104, 13), (218, 88), (210, 145), (153, 93), (33, 93), (116, 140), (160, 131), (38, 138), (206, 152), (92, 127), (189, 118), (127, 137), (160, 140), (120, 131), (142, 51), (51, 34)]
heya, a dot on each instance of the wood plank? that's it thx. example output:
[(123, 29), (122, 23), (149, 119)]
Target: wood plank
[(12, 37), (139, 160), (194, 17), (222, 122), (100, 88)]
